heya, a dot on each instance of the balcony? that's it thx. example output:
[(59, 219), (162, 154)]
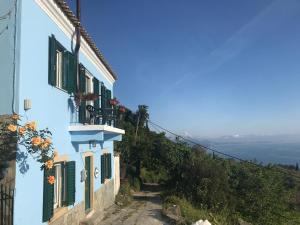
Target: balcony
[(100, 125)]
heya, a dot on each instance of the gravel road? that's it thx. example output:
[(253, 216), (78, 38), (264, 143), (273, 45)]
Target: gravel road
[(145, 209)]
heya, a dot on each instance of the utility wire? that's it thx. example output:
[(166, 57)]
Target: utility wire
[(155, 128), (230, 156), (218, 152)]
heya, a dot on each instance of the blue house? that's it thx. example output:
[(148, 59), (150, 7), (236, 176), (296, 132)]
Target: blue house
[(38, 81)]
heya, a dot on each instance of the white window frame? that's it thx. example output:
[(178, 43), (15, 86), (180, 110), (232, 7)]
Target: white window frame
[(89, 85), (59, 68), (59, 193)]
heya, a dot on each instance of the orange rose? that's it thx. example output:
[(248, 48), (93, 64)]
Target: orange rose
[(15, 116), (46, 142), (36, 141), (31, 125), (12, 128), (51, 180), (49, 164), (22, 130), (55, 154)]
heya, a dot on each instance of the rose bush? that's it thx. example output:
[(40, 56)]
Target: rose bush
[(38, 143)]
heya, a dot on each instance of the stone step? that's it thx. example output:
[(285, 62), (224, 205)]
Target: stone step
[(94, 219)]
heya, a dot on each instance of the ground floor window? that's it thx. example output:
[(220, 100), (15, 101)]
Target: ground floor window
[(105, 167), (59, 185), (62, 192)]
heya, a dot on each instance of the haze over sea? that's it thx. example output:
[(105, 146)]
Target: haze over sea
[(277, 149)]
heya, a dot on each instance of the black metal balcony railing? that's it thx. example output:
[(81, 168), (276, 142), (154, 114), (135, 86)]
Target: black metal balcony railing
[(100, 116)]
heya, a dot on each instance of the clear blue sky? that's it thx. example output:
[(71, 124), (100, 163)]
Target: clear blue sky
[(204, 67)]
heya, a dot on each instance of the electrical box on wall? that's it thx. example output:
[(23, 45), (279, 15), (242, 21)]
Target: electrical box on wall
[(27, 104)]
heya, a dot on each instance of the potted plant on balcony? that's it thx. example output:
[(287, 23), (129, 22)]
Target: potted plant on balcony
[(122, 109), (80, 97), (113, 102)]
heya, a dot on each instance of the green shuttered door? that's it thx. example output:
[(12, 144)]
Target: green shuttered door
[(88, 183), (48, 196), (82, 84)]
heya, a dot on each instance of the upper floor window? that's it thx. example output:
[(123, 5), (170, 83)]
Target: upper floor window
[(59, 69), (62, 67)]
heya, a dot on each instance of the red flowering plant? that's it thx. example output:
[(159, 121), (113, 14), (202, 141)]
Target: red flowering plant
[(113, 102), (38, 143), (122, 109)]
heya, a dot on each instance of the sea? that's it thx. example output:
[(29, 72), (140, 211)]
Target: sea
[(283, 149), (275, 153)]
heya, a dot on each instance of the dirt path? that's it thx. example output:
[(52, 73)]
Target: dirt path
[(144, 210)]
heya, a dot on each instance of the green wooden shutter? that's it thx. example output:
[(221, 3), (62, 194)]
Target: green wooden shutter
[(48, 196), (82, 84), (69, 70), (102, 168), (96, 92), (65, 70), (108, 98), (103, 103), (52, 61), (109, 165), (70, 171), (108, 106)]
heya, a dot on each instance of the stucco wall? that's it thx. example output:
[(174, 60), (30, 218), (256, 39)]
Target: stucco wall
[(8, 28), (50, 108)]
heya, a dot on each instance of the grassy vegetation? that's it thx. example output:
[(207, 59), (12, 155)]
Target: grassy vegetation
[(190, 213)]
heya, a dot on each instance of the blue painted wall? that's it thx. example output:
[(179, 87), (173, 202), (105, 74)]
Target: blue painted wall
[(8, 47), (50, 108)]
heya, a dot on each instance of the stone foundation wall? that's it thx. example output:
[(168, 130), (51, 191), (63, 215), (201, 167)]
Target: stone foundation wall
[(103, 198)]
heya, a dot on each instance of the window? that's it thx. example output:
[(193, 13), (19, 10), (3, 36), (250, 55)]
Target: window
[(59, 185), (105, 167), (62, 67), (89, 90), (87, 85), (62, 192), (59, 69)]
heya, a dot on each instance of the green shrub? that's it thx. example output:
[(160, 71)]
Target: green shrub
[(135, 183), (151, 176), (124, 197)]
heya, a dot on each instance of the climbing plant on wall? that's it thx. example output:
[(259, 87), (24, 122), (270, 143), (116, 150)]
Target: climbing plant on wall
[(37, 143)]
